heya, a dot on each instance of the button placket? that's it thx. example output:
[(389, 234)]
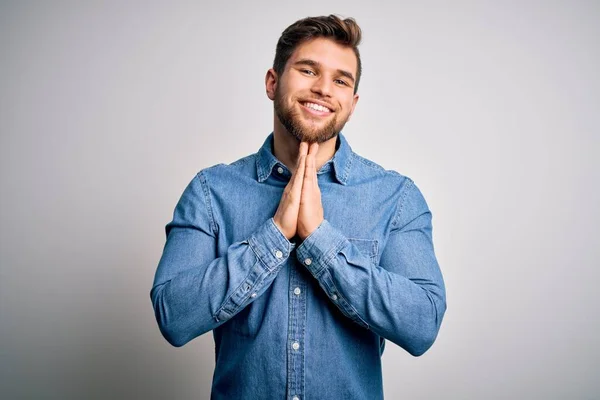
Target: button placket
[(296, 329)]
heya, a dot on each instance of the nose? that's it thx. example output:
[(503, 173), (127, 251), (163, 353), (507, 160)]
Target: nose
[(322, 86)]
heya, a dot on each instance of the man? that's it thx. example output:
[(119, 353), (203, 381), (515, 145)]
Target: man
[(303, 257)]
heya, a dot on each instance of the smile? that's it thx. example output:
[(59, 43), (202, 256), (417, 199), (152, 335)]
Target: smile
[(321, 110)]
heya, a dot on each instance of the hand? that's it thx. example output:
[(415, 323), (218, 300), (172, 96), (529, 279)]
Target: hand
[(310, 214), (286, 216)]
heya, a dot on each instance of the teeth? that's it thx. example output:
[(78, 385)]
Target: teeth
[(317, 107)]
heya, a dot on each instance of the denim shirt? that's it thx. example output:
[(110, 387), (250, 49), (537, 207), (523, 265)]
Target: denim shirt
[(300, 320)]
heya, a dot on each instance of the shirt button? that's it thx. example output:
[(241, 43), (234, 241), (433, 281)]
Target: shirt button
[(278, 254), (295, 345), (253, 295), (308, 261), (280, 170), (295, 398), (334, 297), (297, 291)]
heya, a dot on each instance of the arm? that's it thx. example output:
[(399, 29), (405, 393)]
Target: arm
[(195, 291), (402, 299)]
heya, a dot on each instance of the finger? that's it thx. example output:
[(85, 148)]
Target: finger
[(307, 175), (298, 176), (302, 150), (310, 172), (300, 170), (315, 182), (301, 165)]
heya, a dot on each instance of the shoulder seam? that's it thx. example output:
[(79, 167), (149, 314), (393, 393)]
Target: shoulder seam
[(368, 163), (408, 185)]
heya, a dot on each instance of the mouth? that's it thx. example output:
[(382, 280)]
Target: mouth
[(315, 108)]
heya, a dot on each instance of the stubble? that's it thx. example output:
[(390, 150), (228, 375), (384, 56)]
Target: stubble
[(292, 122)]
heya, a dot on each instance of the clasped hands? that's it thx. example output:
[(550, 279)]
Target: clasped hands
[(300, 210)]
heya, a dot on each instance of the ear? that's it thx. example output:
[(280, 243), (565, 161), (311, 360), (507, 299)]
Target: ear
[(271, 80), (354, 101)]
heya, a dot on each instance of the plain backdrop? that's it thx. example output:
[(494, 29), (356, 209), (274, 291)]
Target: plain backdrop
[(109, 108)]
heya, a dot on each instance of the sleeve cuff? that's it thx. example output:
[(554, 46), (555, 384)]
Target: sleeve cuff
[(317, 249), (270, 245)]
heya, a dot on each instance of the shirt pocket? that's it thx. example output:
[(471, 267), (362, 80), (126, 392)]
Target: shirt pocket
[(367, 247)]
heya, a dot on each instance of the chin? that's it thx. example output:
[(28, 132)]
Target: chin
[(308, 130), (314, 137)]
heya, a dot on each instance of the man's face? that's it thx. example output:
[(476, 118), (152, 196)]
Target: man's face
[(314, 96)]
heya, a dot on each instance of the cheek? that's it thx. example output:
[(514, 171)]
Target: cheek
[(347, 106), (288, 92), (345, 99)]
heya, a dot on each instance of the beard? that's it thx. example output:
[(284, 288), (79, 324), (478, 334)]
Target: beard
[(301, 130)]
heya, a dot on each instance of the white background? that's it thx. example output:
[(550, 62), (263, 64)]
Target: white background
[(108, 109)]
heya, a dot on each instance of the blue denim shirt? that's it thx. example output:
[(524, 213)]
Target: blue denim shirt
[(300, 320)]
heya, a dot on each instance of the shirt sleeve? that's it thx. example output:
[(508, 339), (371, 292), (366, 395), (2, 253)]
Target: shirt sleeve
[(195, 291), (403, 298)]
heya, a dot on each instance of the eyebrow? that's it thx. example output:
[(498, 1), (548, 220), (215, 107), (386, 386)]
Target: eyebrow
[(313, 63)]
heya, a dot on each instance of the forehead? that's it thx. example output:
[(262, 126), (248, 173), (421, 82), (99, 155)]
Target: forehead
[(329, 54)]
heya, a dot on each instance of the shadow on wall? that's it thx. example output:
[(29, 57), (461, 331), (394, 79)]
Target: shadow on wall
[(121, 356), (91, 334)]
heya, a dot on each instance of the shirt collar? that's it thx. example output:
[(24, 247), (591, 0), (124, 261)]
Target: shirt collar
[(342, 160)]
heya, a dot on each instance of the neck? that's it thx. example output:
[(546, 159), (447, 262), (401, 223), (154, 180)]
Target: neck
[(285, 148)]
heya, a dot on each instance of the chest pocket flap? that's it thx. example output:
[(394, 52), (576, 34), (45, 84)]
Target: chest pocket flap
[(366, 247)]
